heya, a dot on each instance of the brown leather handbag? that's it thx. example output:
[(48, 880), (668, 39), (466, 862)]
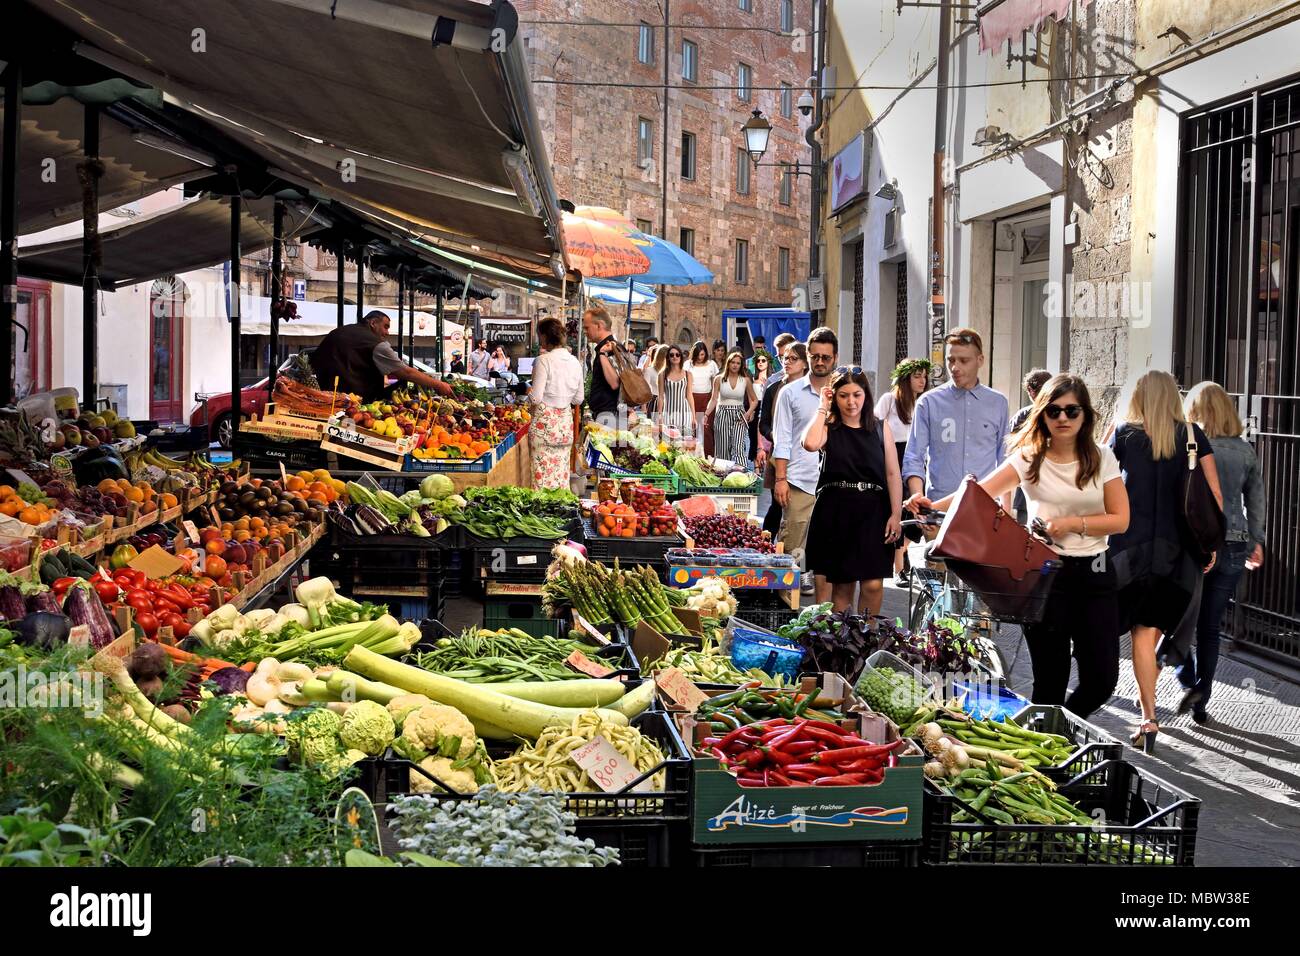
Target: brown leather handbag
[(996, 556)]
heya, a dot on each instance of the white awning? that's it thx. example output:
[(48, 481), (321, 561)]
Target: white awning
[(316, 319)]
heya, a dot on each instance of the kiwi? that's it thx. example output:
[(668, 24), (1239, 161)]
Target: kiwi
[(248, 497), (299, 505)]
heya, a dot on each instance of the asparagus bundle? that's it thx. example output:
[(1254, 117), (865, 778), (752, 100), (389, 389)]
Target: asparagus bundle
[(602, 595)]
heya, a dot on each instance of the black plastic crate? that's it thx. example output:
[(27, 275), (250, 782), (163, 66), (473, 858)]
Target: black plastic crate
[(629, 551), (640, 843), (455, 572), (763, 609), (876, 856), (294, 454), (673, 803), (1155, 821), (1094, 745), (518, 560)]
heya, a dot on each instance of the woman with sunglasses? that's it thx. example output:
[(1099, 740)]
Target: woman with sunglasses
[(1075, 489), (674, 406), (761, 366), (858, 512), (732, 407)]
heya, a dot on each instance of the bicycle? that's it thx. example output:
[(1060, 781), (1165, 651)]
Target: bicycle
[(935, 593)]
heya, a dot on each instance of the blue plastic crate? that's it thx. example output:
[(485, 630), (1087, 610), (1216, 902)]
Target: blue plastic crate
[(772, 654), (480, 465)]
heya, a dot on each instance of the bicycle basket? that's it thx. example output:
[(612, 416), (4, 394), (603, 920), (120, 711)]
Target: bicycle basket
[(1009, 600)]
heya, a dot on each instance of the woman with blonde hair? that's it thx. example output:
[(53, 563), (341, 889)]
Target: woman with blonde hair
[(1155, 570), (1242, 487)]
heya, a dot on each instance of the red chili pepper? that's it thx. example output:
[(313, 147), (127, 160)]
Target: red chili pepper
[(781, 757), (752, 758), (893, 760), (803, 776), (861, 766), (790, 736), (801, 747), (179, 596), (874, 776), (814, 770), (827, 725), (710, 742), (821, 733), (843, 780), (733, 736), (718, 753), (781, 779), (849, 754), (751, 780)]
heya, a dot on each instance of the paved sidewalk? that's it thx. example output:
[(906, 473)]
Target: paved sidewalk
[(1244, 764)]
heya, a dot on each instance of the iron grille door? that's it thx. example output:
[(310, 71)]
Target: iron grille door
[(1239, 317)]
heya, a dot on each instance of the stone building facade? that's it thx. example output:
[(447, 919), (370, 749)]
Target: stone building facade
[(595, 133)]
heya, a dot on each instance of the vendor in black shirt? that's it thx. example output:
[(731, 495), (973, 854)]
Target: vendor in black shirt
[(360, 356), (603, 397)]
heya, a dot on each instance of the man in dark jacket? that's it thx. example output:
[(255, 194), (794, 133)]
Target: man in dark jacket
[(360, 356), (766, 408)]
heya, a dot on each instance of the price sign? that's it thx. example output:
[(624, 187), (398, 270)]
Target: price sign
[(583, 664), (191, 531), (680, 688), (590, 630), (79, 636), (284, 476), (607, 768)]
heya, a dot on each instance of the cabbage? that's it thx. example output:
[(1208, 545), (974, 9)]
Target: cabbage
[(738, 479), (436, 486), (412, 498)]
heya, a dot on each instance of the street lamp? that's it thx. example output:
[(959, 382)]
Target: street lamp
[(757, 131)]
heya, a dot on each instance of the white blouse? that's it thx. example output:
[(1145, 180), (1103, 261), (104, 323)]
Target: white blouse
[(558, 379), (702, 376), (887, 410)]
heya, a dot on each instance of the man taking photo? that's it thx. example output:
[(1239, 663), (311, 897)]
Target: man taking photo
[(797, 469)]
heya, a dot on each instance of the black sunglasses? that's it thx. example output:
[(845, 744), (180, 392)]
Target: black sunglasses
[(1070, 411)]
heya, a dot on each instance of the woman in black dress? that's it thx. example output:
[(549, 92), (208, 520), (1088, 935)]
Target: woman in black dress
[(858, 513), (1155, 571)]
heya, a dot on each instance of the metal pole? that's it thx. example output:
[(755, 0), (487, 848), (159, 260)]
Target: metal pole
[(440, 364), (410, 310), (9, 227), (938, 317), (277, 291), (236, 387), (90, 260), (361, 282), (342, 252), (663, 176), (401, 305)]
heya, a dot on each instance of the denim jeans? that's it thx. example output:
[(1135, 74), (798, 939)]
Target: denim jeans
[(1217, 589)]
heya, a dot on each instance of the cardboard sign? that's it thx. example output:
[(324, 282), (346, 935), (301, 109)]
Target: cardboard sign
[(589, 629), (79, 636), (284, 476), (607, 768), (583, 664), (191, 530), (680, 689), (156, 563)]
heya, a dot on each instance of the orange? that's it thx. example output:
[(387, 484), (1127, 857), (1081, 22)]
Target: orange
[(107, 486), (134, 494), (10, 506), (169, 500), (318, 496), (318, 487), (295, 483), (306, 476), (322, 474), (30, 515)]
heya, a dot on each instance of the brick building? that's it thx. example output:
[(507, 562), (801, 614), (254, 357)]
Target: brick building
[(606, 142)]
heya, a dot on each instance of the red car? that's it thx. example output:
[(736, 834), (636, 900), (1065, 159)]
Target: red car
[(213, 413)]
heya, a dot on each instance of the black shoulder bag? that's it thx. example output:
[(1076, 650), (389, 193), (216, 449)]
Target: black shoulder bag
[(1203, 524)]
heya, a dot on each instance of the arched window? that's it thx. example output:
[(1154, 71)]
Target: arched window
[(167, 341), (685, 336)]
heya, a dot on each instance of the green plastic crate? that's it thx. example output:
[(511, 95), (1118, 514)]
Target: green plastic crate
[(515, 606)]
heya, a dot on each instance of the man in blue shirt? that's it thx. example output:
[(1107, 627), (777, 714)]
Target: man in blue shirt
[(798, 469), (957, 429)]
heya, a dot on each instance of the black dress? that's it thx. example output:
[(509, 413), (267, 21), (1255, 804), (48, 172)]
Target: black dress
[(1154, 571), (846, 533)]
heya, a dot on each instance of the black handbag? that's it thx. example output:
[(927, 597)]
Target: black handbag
[(1203, 523)]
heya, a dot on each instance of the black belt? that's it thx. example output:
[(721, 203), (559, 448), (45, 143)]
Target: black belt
[(852, 486)]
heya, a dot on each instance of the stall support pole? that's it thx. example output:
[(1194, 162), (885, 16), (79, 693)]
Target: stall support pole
[(90, 261), (342, 252), (410, 310), (277, 291), (236, 388), (9, 227), (441, 361), (361, 282), (401, 306)]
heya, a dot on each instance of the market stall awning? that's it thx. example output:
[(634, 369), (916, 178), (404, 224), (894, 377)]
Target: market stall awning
[(189, 236), (1003, 20), (317, 319), (441, 135), (50, 149)]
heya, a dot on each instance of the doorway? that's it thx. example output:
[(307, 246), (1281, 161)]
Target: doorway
[(1018, 342), (30, 349), (167, 341)]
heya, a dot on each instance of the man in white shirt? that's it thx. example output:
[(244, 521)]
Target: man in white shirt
[(797, 469), (479, 360), (650, 344)]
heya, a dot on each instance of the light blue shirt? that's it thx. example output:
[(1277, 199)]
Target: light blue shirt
[(957, 432), (795, 408)]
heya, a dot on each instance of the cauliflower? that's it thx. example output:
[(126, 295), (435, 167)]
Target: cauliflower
[(367, 727), (400, 707), (439, 730), (339, 762), (314, 739), (462, 781)]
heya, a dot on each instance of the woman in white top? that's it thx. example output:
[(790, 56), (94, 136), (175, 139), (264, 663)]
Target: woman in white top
[(557, 388), (1075, 489), (911, 377), (651, 372), (702, 370), (732, 406), (674, 407)]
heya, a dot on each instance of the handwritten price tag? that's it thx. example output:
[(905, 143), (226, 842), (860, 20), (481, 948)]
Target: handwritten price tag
[(680, 688), (191, 531), (607, 768), (583, 664), (79, 636), (591, 630)]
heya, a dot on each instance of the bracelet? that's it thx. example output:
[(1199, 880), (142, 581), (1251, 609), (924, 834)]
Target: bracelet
[(826, 412), (1084, 532)]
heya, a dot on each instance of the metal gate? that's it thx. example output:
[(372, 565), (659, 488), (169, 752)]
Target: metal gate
[(1239, 318)]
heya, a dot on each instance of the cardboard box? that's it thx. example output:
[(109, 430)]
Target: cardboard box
[(649, 645), (754, 579), (723, 812)]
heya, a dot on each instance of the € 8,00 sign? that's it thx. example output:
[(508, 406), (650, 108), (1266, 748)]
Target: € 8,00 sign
[(607, 768)]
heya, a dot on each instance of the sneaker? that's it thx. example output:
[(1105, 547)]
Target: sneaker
[(903, 579)]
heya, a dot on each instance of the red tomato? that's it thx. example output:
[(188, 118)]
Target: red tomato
[(163, 606), (107, 590), (180, 627), (147, 622), (140, 600)]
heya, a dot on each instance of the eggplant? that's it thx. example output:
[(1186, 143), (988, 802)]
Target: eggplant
[(12, 605), (44, 630), (82, 606), (44, 601)]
